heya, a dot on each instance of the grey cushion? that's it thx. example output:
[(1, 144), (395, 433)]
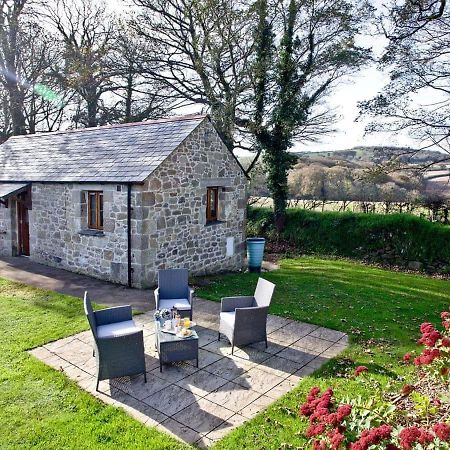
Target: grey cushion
[(228, 318), (178, 303), (116, 329)]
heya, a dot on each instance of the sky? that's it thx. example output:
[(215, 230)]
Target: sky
[(344, 100)]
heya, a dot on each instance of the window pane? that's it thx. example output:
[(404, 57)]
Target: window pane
[(213, 202), (100, 201), (92, 210)]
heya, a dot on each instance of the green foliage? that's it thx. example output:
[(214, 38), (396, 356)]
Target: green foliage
[(395, 238), (423, 405), (367, 412)]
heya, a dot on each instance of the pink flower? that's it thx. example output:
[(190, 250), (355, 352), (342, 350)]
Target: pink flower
[(412, 435), (315, 430), (430, 336), (319, 445), (442, 431), (445, 342), (426, 327), (407, 357), (343, 411), (408, 437), (427, 357), (336, 438), (372, 436), (445, 315)]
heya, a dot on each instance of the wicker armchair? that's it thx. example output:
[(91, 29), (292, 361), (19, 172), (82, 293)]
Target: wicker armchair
[(173, 291), (243, 319), (118, 343)]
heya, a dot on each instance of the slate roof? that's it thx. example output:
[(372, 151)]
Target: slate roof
[(110, 154), (8, 189)]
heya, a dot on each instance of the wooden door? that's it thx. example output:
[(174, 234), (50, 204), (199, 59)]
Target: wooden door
[(23, 224)]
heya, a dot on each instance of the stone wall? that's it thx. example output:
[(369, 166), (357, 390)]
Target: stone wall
[(173, 210), (6, 230), (59, 235)]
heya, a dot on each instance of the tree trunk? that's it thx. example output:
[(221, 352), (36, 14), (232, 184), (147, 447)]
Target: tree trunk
[(16, 108), (92, 106), (128, 98), (278, 184)]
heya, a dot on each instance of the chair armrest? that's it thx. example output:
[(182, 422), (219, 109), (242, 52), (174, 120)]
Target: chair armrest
[(190, 294), (113, 315), (229, 304), (156, 294)]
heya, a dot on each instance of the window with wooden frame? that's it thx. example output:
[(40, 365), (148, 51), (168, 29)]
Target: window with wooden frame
[(95, 210), (212, 204)]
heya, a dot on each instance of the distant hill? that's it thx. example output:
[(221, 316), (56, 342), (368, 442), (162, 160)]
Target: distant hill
[(339, 175), (375, 155)]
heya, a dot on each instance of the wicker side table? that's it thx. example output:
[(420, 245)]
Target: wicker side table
[(172, 348)]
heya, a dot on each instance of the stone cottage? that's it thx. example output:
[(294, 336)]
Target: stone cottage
[(120, 202)]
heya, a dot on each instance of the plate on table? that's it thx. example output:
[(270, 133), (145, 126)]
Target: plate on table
[(184, 333)]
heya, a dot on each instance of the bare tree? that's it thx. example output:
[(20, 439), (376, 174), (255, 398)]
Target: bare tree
[(202, 52), (87, 35), (30, 101), (44, 99), (11, 18), (140, 96), (416, 100)]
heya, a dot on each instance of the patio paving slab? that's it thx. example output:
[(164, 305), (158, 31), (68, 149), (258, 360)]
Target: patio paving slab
[(203, 416), (233, 396), (200, 405), (259, 380)]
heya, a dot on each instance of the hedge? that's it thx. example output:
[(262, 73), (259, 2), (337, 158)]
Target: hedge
[(395, 239)]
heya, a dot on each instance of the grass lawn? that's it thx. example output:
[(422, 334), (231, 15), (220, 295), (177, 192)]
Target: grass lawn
[(39, 407), (380, 310)]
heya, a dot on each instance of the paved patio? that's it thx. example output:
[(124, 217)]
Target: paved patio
[(201, 405)]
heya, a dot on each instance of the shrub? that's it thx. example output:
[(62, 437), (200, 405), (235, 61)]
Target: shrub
[(396, 239), (359, 425)]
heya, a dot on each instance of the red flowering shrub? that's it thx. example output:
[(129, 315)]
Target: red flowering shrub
[(435, 357), (442, 431), (374, 436), (427, 357), (329, 424), (361, 425), (325, 419), (414, 435)]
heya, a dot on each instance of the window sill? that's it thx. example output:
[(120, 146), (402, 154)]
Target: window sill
[(88, 232), (214, 222)]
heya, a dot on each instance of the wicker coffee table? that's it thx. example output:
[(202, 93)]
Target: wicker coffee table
[(172, 348)]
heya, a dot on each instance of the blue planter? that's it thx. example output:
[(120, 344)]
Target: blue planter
[(255, 253)]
